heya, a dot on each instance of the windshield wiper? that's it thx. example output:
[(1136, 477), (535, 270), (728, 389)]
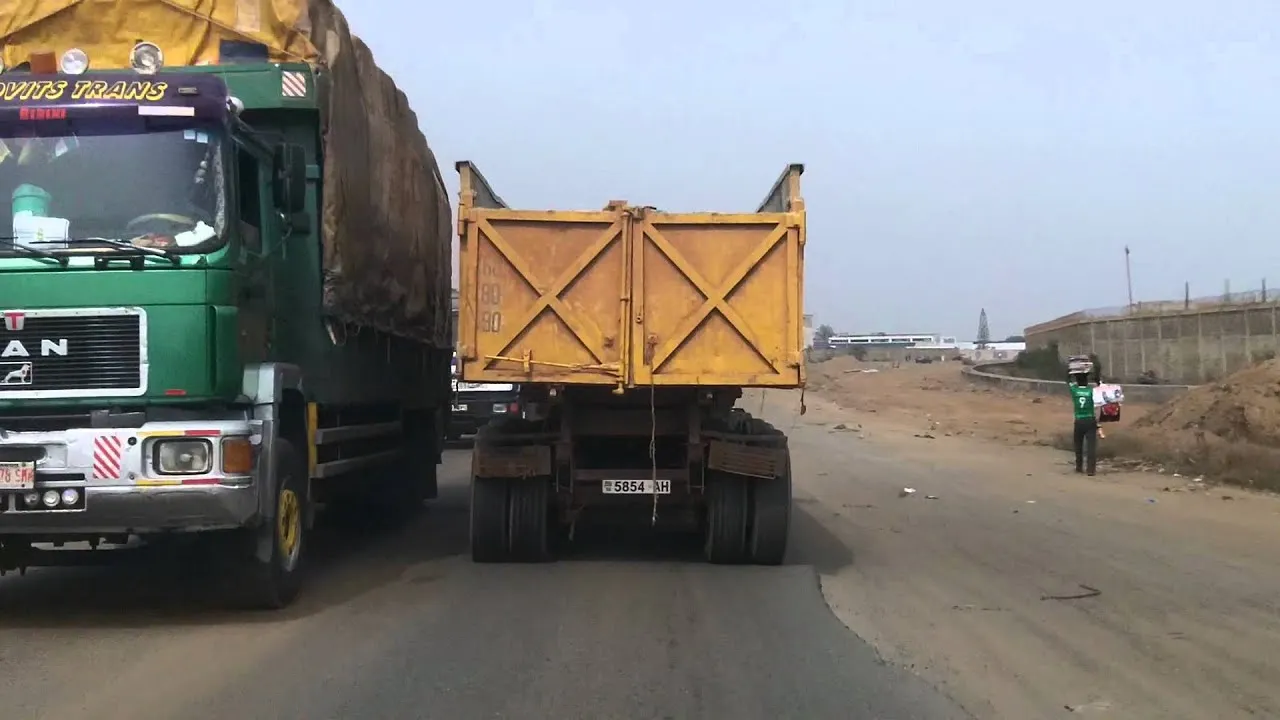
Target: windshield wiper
[(131, 248), (33, 252)]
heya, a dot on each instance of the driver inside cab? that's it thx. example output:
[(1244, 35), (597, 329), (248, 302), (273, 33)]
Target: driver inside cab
[(148, 190)]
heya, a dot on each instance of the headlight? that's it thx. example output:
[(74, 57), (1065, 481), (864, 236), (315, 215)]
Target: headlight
[(146, 58), (74, 62), (183, 457)]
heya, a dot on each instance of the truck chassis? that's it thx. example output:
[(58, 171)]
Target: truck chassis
[(722, 470)]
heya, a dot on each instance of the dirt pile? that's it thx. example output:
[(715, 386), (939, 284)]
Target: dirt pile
[(1245, 407), (825, 375), (1225, 432), (936, 398)]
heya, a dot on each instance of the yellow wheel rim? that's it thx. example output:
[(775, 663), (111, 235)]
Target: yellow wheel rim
[(289, 522)]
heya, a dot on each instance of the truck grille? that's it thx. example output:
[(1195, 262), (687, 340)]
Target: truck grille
[(103, 352)]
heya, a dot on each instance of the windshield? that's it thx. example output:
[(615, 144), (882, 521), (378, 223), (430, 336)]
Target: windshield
[(158, 189)]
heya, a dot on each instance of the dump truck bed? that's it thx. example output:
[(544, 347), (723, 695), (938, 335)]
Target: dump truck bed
[(631, 296)]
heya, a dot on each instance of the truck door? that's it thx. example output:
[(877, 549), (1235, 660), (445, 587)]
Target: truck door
[(256, 225), (546, 291), (717, 298)]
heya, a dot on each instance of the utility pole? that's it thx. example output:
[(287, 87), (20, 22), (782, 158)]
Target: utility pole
[(984, 332), (1128, 275)]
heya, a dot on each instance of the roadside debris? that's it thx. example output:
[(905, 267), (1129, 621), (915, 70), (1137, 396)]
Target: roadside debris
[(907, 491), (1090, 592), (1095, 706)]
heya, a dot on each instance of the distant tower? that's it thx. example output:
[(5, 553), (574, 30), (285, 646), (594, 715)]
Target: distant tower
[(984, 332)]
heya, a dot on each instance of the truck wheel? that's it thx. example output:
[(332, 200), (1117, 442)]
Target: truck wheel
[(726, 539), (528, 528), (771, 517), (489, 501), (268, 560)]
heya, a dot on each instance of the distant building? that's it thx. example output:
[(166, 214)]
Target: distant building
[(880, 340), (993, 352)]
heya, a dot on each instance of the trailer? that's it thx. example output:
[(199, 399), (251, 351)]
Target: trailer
[(632, 333)]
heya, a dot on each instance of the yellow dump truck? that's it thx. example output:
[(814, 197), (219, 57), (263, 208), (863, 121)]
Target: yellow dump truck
[(631, 333)]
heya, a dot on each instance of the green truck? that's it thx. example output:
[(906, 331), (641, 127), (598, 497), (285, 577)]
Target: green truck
[(225, 297)]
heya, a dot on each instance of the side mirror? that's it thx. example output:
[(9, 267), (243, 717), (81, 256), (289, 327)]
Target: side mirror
[(290, 186)]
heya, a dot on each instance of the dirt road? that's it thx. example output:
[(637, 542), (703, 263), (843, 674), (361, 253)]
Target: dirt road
[(1185, 622)]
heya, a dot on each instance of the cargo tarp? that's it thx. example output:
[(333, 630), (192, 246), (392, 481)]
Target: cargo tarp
[(387, 229)]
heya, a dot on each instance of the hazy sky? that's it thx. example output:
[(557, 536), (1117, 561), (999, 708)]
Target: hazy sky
[(959, 155)]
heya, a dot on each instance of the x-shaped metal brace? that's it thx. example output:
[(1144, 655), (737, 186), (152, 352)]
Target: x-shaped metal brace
[(715, 296), (587, 332)]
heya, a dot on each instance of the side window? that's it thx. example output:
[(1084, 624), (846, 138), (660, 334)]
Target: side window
[(249, 201)]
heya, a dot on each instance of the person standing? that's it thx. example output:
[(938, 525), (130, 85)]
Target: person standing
[(1085, 432)]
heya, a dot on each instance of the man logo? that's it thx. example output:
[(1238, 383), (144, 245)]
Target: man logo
[(15, 374)]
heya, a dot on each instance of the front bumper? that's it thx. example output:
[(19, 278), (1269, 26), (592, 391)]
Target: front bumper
[(138, 510), (112, 471), (475, 414)]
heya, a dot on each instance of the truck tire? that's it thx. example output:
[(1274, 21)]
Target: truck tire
[(771, 517), (267, 561), (489, 503), (726, 532), (528, 527)]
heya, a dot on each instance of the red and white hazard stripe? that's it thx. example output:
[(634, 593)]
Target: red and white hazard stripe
[(293, 84), (108, 453)]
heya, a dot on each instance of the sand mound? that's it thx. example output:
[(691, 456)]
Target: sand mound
[(1245, 407)]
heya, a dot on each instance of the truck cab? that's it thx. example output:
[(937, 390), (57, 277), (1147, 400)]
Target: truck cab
[(477, 404)]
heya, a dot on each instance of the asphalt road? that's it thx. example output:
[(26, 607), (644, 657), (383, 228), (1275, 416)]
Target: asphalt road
[(403, 625)]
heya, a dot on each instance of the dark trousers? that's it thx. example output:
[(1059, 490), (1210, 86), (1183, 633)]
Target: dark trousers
[(1086, 442)]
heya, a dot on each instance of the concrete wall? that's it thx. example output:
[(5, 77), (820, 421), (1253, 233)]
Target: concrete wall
[(1189, 347), (997, 374)]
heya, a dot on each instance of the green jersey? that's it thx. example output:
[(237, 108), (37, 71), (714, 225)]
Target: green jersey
[(1082, 401)]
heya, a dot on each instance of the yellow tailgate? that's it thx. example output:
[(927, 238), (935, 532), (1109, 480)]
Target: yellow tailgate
[(632, 296)]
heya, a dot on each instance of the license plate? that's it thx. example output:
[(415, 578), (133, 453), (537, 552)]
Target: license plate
[(17, 476), (460, 408), (636, 487)]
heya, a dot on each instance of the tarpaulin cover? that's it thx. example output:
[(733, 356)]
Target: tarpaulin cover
[(386, 221)]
